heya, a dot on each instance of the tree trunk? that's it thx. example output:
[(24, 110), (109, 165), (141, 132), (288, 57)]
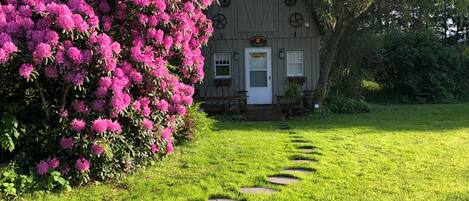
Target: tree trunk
[(331, 51)]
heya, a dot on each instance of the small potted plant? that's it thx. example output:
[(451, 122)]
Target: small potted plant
[(292, 94)]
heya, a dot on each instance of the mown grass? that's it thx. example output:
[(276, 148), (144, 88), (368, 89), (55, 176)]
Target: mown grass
[(394, 153)]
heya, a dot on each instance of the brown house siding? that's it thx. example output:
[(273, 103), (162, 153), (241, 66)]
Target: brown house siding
[(243, 18)]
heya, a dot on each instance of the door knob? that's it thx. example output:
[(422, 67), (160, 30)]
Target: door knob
[(270, 77)]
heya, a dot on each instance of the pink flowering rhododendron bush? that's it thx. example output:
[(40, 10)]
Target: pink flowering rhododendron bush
[(98, 88)]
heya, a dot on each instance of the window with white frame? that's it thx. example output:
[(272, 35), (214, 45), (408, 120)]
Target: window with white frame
[(295, 63), (222, 66)]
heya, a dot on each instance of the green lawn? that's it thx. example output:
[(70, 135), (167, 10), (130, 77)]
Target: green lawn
[(394, 153)]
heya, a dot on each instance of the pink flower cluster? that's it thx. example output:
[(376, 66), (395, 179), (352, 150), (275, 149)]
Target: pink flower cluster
[(44, 166), (41, 35), (82, 165), (26, 70), (190, 30), (107, 50), (78, 125), (97, 149), (8, 48), (106, 125), (66, 143)]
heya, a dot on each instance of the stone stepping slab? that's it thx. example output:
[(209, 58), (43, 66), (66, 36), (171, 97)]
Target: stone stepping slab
[(296, 137), (302, 159), (299, 141), (306, 147), (282, 179), (307, 151), (299, 171), (257, 190)]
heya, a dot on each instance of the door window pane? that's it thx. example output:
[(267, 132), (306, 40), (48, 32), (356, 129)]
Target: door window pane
[(258, 61), (258, 78)]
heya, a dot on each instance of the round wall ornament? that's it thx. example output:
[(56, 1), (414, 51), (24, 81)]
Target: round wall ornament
[(219, 21), (297, 20)]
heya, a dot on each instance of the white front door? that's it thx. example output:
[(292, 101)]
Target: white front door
[(259, 75)]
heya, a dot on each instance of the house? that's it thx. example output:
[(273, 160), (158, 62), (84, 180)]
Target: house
[(258, 48)]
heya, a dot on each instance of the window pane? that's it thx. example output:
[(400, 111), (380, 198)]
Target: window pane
[(222, 58), (295, 63), (295, 56), (258, 78), (223, 71), (258, 61), (295, 69), (222, 64)]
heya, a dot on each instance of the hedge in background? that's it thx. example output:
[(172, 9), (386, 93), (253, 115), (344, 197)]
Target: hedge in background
[(420, 68), (96, 88)]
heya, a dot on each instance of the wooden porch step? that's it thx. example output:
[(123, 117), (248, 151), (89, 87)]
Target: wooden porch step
[(264, 113)]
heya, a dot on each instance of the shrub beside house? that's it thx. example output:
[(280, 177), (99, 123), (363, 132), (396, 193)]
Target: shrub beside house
[(92, 90)]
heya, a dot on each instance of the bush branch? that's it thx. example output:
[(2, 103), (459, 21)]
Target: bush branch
[(43, 99)]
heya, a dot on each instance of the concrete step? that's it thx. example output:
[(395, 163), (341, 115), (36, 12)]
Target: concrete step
[(264, 113)]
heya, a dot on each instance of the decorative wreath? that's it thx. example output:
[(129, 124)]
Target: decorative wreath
[(290, 2), (219, 21), (297, 20), (224, 3)]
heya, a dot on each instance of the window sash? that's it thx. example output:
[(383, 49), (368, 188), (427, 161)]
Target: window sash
[(295, 63), (222, 60)]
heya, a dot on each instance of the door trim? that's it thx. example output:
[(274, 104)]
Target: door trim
[(269, 99)]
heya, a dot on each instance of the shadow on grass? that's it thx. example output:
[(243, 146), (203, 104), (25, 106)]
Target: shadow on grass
[(441, 117)]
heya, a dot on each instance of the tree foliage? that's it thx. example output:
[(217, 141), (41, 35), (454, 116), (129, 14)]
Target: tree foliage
[(419, 68), (337, 16), (334, 13), (365, 46)]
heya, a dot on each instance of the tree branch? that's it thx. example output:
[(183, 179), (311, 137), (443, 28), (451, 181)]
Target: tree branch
[(45, 107), (64, 97)]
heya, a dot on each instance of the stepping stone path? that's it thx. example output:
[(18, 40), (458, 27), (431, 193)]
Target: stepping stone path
[(257, 190), (287, 178), (282, 180), (298, 171)]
